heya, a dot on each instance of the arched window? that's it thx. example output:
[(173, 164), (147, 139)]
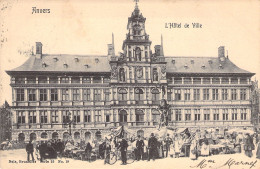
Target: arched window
[(155, 75), (44, 135), (155, 116), (98, 135), (32, 136), (139, 116), (155, 95), (138, 55), (122, 116), (76, 136), (122, 94), (139, 94), (87, 136), (55, 135), (66, 136), (122, 74), (21, 137)]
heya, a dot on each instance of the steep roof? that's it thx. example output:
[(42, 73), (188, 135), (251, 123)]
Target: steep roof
[(202, 65), (92, 63), (66, 63)]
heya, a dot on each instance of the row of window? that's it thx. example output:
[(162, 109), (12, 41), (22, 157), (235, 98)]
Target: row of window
[(224, 80), (216, 94), (54, 79), (207, 116)]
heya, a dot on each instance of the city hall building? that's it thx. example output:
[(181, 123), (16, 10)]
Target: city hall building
[(85, 96)]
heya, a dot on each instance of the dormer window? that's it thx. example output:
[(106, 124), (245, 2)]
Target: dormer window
[(96, 60), (86, 66), (220, 66), (76, 59), (55, 59), (65, 65), (192, 61), (210, 62), (173, 61), (203, 67), (44, 64), (186, 66)]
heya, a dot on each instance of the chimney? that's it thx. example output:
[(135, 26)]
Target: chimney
[(38, 50), (221, 51)]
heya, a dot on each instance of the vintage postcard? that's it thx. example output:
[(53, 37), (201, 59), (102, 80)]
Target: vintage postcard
[(129, 84)]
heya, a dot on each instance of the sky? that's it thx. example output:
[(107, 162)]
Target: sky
[(85, 27)]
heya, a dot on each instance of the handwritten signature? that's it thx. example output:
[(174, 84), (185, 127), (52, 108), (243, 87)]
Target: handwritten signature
[(230, 162)]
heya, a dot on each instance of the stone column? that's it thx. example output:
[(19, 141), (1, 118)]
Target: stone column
[(92, 115), (49, 116), (59, 116), (38, 116)]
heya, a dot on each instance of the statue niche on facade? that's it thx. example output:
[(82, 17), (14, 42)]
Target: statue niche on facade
[(164, 113)]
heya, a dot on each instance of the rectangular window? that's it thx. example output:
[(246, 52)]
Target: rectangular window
[(107, 118), (75, 95), (196, 94), (234, 80), (216, 114), (32, 94), (87, 116), (215, 81), (177, 80), (197, 114), (96, 79), (107, 95), (242, 94), (54, 94), (97, 94), (86, 94), (53, 80), (243, 114), (98, 116), (65, 94), (66, 116), (178, 114), (86, 80), (224, 94), (21, 117), (234, 114), (54, 116), (75, 80), (233, 94), (215, 94), (32, 117), (206, 80), (197, 81), (19, 94), (43, 94), (187, 114), (225, 81), (106, 80), (177, 94), (169, 94), (187, 80), (43, 115), (243, 81), (187, 94), (31, 80), (20, 80), (225, 114), (42, 79), (64, 80), (206, 114), (205, 94), (76, 116)]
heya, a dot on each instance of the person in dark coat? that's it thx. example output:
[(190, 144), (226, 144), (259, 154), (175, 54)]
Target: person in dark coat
[(88, 151), (123, 148), (152, 145), (29, 150), (50, 152), (101, 149), (168, 141), (140, 148), (107, 152), (249, 145)]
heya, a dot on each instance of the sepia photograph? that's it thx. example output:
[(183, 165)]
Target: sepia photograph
[(129, 84)]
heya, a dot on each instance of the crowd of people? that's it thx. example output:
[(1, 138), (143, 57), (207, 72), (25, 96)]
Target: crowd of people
[(174, 145)]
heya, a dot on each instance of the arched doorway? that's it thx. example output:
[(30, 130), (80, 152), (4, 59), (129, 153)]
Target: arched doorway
[(87, 136), (77, 136), (66, 136), (21, 137), (140, 132), (55, 136), (156, 116), (32, 137), (44, 135), (139, 117), (98, 135), (123, 117)]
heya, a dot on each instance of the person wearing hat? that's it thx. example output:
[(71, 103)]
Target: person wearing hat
[(248, 145), (123, 148), (168, 141), (29, 150), (152, 146), (140, 148)]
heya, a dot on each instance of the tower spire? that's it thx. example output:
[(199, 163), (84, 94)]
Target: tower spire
[(113, 45), (136, 3)]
